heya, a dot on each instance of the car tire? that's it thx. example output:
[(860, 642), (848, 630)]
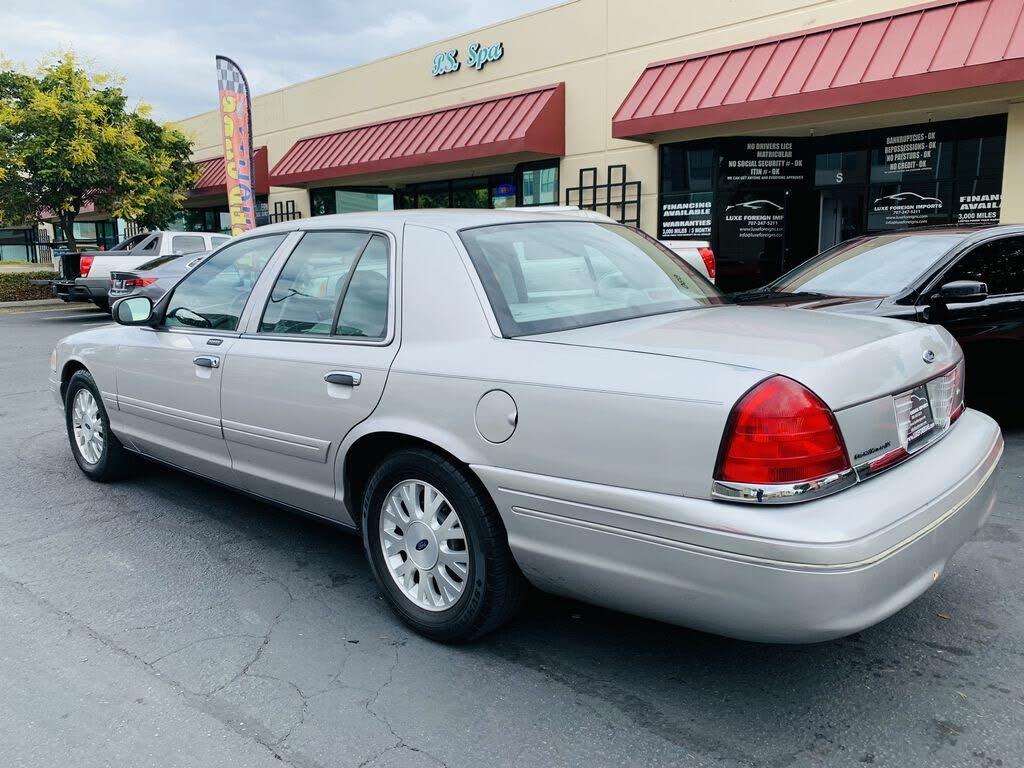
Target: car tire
[(98, 453), (103, 304), (492, 586)]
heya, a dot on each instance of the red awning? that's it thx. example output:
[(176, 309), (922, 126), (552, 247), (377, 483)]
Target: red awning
[(930, 48), (213, 179), (530, 122)]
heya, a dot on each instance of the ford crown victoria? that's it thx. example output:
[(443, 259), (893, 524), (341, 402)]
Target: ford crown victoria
[(492, 399)]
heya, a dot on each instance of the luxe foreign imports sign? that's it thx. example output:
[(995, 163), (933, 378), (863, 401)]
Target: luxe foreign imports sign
[(477, 56)]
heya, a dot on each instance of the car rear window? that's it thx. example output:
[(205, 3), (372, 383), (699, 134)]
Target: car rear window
[(883, 265), (157, 262), (550, 276)]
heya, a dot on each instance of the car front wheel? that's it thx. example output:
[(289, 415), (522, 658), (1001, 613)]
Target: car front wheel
[(97, 451), (438, 548)]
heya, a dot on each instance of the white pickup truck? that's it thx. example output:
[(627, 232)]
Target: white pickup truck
[(86, 276), (696, 253)]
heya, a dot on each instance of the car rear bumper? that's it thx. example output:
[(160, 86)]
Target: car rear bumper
[(69, 290), (80, 289), (757, 588)]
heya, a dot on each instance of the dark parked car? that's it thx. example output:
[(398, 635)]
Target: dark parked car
[(969, 280), (154, 278)]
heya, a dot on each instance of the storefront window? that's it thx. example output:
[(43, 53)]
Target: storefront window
[(685, 169), (471, 193), (770, 203), (503, 191), (982, 157), (539, 185), (840, 167), (434, 195), (91, 234)]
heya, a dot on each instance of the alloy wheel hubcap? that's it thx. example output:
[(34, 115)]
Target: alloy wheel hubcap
[(90, 437), (424, 545)]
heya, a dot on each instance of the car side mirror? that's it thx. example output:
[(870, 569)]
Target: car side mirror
[(961, 292), (133, 310)]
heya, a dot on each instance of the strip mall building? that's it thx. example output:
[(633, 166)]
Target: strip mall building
[(773, 128)]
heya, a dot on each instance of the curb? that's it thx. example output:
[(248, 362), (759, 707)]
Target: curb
[(31, 303)]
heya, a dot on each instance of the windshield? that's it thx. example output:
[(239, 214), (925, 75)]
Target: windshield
[(875, 266), (131, 242), (550, 276)]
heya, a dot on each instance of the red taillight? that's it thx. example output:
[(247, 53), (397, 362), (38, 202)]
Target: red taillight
[(957, 412), (709, 260), (84, 265), (139, 282), (780, 432)]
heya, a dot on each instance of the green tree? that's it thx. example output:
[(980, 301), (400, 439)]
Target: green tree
[(68, 138)]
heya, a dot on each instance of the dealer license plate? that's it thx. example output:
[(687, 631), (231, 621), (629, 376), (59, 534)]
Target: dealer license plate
[(914, 417)]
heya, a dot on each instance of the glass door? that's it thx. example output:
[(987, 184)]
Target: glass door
[(842, 217)]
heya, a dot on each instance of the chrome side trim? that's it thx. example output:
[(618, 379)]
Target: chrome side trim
[(783, 494), (175, 417), (285, 443)]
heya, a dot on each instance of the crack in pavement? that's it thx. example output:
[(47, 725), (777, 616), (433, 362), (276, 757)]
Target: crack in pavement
[(400, 742), (228, 718)]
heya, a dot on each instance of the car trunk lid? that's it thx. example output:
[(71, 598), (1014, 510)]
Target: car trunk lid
[(844, 359)]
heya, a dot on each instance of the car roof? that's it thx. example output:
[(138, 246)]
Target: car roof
[(452, 219), (982, 231)]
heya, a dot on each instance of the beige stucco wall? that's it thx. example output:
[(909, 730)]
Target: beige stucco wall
[(598, 48), (1013, 166)]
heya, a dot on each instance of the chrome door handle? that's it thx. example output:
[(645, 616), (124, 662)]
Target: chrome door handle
[(206, 361), (343, 377)]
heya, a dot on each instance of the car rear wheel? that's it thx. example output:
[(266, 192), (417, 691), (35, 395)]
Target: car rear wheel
[(97, 451), (438, 548), (103, 304)]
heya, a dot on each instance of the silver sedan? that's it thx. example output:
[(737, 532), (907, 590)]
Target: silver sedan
[(494, 399)]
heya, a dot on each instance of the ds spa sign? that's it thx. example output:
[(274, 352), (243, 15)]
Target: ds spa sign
[(477, 56)]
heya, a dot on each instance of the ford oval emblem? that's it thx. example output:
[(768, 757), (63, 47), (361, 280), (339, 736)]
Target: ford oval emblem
[(929, 356), (421, 545)]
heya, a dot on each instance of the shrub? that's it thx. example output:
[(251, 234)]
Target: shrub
[(15, 286)]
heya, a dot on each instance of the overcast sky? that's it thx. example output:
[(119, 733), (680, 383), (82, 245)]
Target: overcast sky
[(164, 48)]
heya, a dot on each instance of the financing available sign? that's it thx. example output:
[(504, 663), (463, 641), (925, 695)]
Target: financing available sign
[(236, 133), (477, 56)]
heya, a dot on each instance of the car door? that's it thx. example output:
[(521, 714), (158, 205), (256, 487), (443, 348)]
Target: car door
[(991, 332), (311, 366), (169, 377)]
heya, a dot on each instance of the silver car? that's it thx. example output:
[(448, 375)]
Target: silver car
[(493, 398), (153, 278)]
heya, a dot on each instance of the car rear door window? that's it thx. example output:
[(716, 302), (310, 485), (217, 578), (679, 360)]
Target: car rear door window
[(999, 264), (181, 244), (213, 295), (308, 290), (364, 308)]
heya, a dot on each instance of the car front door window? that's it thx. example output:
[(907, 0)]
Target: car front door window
[(305, 297), (999, 264), (213, 295)]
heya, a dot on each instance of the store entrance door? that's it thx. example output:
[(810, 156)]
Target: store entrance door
[(842, 216)]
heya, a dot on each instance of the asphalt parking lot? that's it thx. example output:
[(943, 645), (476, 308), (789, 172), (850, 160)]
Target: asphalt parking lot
[(164, 621)]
